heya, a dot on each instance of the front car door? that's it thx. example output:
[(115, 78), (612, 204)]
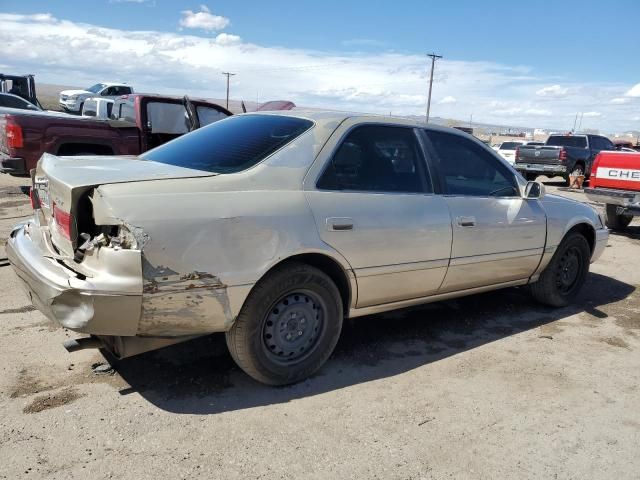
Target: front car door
[(498, 236), (373, 202)]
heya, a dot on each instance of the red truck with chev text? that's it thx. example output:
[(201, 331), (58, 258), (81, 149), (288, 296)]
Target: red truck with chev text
[(615, 181)]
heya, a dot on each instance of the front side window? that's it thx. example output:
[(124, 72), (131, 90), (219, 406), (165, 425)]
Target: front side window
[(376, 158), (466, 168), (230, 145)]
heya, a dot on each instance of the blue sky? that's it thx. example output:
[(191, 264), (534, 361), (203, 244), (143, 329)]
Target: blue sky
[(539, 62)]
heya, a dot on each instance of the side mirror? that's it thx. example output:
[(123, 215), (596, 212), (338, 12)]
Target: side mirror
[(534, 191)]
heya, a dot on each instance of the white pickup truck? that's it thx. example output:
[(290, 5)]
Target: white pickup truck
[(73, 100)]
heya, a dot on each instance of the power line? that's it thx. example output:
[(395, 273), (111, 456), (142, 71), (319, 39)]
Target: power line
[(228, 74), (433, 65)]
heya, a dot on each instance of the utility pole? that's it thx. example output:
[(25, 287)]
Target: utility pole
[(575, 121), (471, 121), (433, 64), (228, 74), (580, 124)]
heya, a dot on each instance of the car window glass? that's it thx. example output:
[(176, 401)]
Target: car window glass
[(377, 159), (167, 117), (567, 141), (468, 169), (231, 145), (126, 112), (90, 109), (208, 115), (13, 102)]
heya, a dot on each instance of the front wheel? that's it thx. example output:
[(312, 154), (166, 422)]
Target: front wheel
[(614, 221), (566, 273), (288, 326)]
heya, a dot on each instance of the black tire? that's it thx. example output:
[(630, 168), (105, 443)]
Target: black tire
[(295, 300), (566, 273), (530, 177), (615, 221)]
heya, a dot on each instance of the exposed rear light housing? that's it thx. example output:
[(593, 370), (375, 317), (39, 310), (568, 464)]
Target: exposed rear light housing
[(33, 197), (13, 132), (517, 153), (64, 221)]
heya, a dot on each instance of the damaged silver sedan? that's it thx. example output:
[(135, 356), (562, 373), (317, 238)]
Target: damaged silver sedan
[(273, 227)]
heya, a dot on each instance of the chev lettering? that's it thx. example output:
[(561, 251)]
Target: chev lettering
[(620, 174)]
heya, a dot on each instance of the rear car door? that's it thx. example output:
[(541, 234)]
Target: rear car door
[(373, 202), (498, 236)]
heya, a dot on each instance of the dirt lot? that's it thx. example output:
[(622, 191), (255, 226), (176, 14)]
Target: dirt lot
[(490, 386)]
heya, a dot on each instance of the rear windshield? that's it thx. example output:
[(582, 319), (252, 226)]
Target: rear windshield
[(230, 145), (510, 145), (567, 141)]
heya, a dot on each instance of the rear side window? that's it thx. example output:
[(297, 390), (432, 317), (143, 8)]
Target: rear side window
[(208, 115), (374, 158), (567, 141), (167, 117), (230, 145), (12, 102)]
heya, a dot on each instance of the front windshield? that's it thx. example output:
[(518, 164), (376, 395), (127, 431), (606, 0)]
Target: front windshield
[(96, 88)]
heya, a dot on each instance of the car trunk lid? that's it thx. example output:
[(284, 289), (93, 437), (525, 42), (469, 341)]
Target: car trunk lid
[(60, 182), (541, 154)]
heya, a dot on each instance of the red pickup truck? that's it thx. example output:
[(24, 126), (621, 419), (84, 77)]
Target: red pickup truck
[(615, 181), (139, 122)]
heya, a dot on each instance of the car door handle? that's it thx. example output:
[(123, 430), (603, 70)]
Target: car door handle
[(467, 221), (339, 224)]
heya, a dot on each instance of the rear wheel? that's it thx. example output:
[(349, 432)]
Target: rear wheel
[(288, 326), (566, 273), (614, 221), (530, 177)]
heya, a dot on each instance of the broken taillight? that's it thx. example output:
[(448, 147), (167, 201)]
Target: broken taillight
[(517, 153), (64, 220), (13, 132), (33, 196)]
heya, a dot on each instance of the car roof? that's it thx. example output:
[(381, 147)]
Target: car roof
[(326, 117)]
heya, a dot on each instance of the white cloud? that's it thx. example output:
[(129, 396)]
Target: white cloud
[(203, 19), (619, 101), (37, 17), (592, 114), (554, 91), (447, 99), (634, 91), (227, 39), (179, 63)]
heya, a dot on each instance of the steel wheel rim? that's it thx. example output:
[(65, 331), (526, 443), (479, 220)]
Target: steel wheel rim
[(569, 270), (293, 326)]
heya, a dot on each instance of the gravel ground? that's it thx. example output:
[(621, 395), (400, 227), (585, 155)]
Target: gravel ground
[(489, 386)]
